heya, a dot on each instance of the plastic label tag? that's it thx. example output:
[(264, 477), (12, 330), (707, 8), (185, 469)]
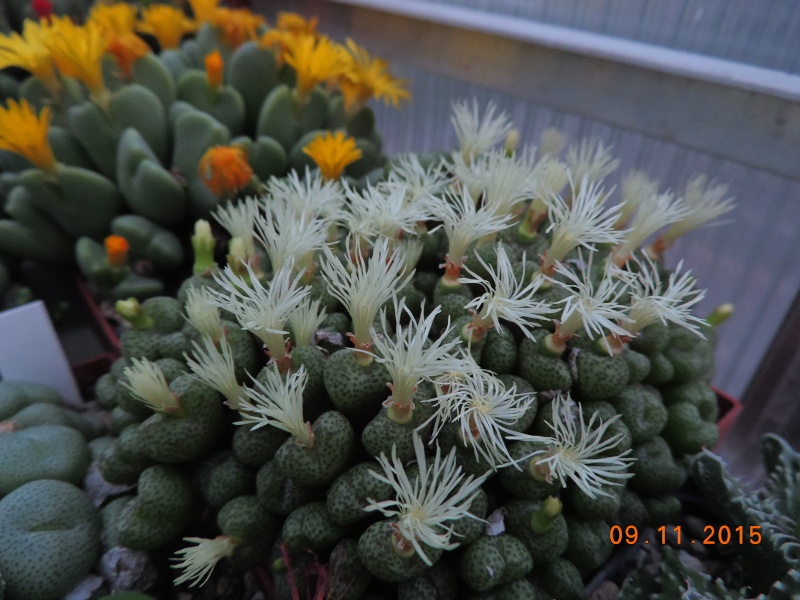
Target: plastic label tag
[(30, 351)]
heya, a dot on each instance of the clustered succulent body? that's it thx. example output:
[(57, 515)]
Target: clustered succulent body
[(447, 383), (106, 138), (768, 519), (49, 529)]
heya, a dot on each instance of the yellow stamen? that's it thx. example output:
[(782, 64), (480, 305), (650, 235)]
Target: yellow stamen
[(167, 24), (225, 170), (116, 250), (368, 77), (332, 152), (24, 132), (214, 66)]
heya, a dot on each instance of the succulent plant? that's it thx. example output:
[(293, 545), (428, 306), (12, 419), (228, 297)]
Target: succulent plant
[(768, 517), (450, 425), (110, 151)]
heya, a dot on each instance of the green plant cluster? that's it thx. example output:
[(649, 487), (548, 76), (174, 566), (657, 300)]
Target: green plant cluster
[(49, 529), (131, 168), (769, 515), (301, 508)]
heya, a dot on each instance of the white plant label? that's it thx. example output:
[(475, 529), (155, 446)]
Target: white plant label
[(30, 351)]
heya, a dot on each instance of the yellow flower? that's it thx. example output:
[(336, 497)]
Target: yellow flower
[(77, 51), (114, 18), (167, 24), (314, 61), (225, 170), (24, 132), (367, 78), (204, 10), (277, 41), (31, 52), (332, 152), (295, 23)]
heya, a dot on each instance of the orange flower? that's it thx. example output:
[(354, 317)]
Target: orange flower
[(214, 67), (167, 24), (127, 49), (225, 170), (31, 52), (368, 77), (332, 152), (118, 21), (24, 132), (314, 60), (116, 250), (237, 25)]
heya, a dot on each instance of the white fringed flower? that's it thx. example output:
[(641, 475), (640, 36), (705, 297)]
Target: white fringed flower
[(420, 184), (506, 297), (584, 222), (705, 200), (410, 252), (199, 560), (549, 177), (650, 303), (290, 236), (382, 212), (464, 224), (202, 313), (636, 188), (146, 383), (410, 356), (278, 401), (653, 214), (313, 196), (214, 366), (598, 310), (484, 410), (264, 311), (439, 495), (552, 142), (305, 320), (363, 286), (591, 161), (238, 219), (478, 134), (579, 450), (503, 181)]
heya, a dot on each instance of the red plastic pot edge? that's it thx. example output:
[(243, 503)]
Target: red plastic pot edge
[(729, 409)]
